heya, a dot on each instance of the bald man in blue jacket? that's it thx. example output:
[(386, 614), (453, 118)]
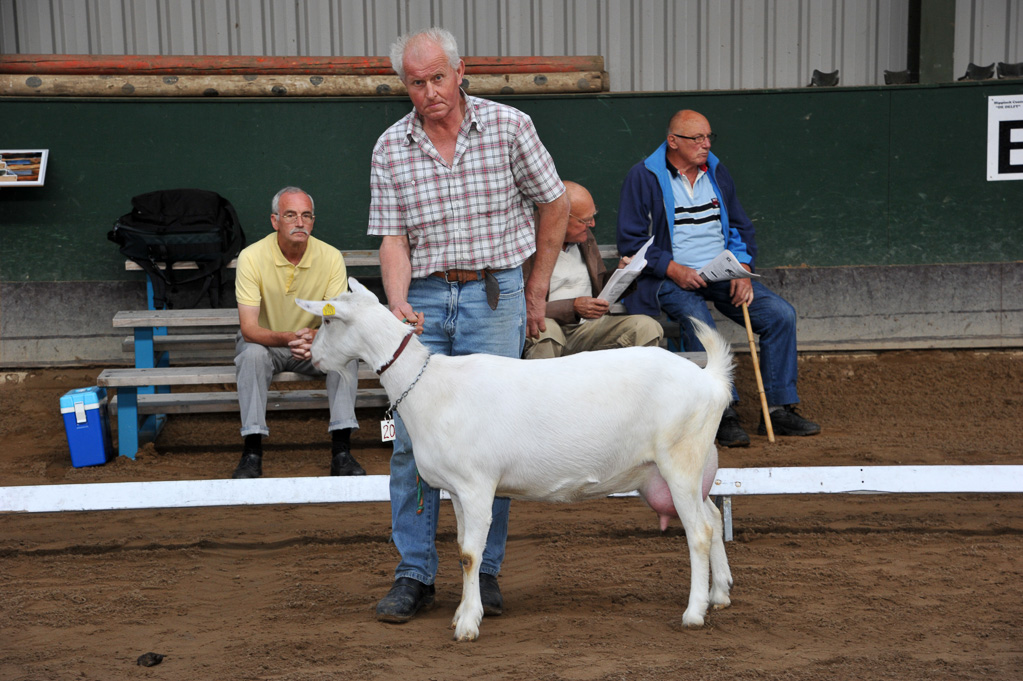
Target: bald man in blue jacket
[(684, 197)]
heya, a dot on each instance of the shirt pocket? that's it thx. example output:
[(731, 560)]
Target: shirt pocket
[(422, 198)]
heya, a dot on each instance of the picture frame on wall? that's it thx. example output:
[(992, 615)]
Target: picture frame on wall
[(23, 167)]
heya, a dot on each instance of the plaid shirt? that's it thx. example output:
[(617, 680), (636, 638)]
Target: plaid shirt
[(475, 213)]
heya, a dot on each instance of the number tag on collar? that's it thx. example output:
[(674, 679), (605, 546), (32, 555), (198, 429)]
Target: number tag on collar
[(387, 430)]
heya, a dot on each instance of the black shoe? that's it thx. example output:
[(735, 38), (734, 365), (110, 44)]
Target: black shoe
[(730, 433), (490, 594), (344, 463), (786, 421), (406, 597), (251, 466)]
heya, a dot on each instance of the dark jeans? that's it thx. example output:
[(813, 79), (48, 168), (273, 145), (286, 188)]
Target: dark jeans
[(772, 317)]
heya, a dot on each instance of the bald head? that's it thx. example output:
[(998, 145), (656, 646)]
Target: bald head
[(686, 118), (581, 212), (576, 194)]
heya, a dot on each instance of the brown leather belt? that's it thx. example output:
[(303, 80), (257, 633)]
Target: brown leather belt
[(461, 276), (489, 280)]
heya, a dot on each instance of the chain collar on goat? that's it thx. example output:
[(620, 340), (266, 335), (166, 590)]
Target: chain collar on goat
[(394, 357), (390, 409)]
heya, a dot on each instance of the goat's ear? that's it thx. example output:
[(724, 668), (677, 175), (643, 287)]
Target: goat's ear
[(317, 307), (356, 287)]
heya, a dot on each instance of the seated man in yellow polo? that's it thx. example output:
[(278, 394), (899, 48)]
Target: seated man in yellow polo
[(579, 275), (276, 334)]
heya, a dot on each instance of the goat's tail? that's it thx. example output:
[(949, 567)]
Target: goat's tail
[(719, 356)]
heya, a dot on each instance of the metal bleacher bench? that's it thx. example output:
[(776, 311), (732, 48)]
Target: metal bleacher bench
[(143, 393)]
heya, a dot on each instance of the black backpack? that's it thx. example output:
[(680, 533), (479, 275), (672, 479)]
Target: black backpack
[(176, 225)]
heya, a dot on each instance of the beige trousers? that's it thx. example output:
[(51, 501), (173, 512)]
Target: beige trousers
[(610, 331)]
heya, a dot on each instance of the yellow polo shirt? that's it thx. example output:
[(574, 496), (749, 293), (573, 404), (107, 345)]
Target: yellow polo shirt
[(266, 279)]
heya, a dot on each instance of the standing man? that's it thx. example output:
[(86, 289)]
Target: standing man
[(576, 319), (276, 334), (685, 198), (454, 186)]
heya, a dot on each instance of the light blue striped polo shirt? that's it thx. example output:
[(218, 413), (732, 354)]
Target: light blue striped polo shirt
[(697, 237)]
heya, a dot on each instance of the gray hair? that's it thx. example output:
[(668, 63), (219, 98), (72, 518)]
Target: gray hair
[(290, 190), (439, 36)]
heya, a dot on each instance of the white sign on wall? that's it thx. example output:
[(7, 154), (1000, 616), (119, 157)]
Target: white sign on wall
[(1005, 137)]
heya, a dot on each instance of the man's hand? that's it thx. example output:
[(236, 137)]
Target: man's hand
[(301, 346), (405, 313), (685, 277), (590, 308), (741, 290), (536, 308)]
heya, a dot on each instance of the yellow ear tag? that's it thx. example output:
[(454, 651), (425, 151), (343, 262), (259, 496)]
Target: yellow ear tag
[(328, 309)]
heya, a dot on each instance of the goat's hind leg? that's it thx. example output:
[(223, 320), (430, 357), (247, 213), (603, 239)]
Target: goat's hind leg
[(720, 573), (698, 536), (473, 514)]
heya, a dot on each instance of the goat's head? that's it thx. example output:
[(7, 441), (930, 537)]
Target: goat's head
[(353, 325)]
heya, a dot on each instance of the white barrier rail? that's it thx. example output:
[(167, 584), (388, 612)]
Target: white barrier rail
[(323, 490), (862, 480)]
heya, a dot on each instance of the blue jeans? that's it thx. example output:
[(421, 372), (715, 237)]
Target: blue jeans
[(772, 317), (457, 321)]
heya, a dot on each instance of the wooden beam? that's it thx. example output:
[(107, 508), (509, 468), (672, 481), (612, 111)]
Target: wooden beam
[(227, 401), (199, 375), (129, 85), (158, 65)]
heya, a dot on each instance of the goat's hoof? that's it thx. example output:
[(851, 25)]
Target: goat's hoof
[(692, 621), (469, 635), (719, 599), (466, 628)]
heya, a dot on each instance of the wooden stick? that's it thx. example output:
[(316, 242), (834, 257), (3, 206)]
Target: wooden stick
[(756, 370)]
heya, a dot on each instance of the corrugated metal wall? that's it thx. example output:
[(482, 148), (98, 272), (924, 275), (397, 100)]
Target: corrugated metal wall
[(987, 32), (647, 45)]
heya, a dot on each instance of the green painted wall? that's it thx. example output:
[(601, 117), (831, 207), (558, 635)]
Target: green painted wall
[(834, 176)]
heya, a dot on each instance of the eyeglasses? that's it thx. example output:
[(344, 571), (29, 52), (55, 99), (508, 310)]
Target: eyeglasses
[(291, 216), (699, 139), (592, 220)]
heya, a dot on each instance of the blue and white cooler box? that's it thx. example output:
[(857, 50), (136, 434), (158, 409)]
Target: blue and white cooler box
[(88, 431)]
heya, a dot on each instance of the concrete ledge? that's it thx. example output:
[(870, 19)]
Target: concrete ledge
[(839, 309)]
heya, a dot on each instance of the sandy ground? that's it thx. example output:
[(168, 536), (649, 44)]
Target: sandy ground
[(908, 587)]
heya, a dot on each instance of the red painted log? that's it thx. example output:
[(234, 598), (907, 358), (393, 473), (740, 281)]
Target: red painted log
[(95, 64)]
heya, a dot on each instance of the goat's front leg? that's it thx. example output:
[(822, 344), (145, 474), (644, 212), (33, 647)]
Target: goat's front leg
[(473, 514)]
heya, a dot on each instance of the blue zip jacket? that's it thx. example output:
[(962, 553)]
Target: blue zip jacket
[(644, 208)]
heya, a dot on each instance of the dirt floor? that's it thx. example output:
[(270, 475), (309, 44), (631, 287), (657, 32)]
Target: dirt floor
[(907, 587)]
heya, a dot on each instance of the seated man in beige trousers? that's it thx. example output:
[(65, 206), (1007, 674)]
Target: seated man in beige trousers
[(578, 278)]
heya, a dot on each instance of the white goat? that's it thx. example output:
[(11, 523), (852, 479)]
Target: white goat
[(566, 429)]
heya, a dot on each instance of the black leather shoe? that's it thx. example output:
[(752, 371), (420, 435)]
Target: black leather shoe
[(786, 421), (490, 594), (251, 466), (406, 597), (344, 463), (730, 433)]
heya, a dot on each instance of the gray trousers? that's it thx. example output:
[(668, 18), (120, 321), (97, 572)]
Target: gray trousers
[(255, 366)]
